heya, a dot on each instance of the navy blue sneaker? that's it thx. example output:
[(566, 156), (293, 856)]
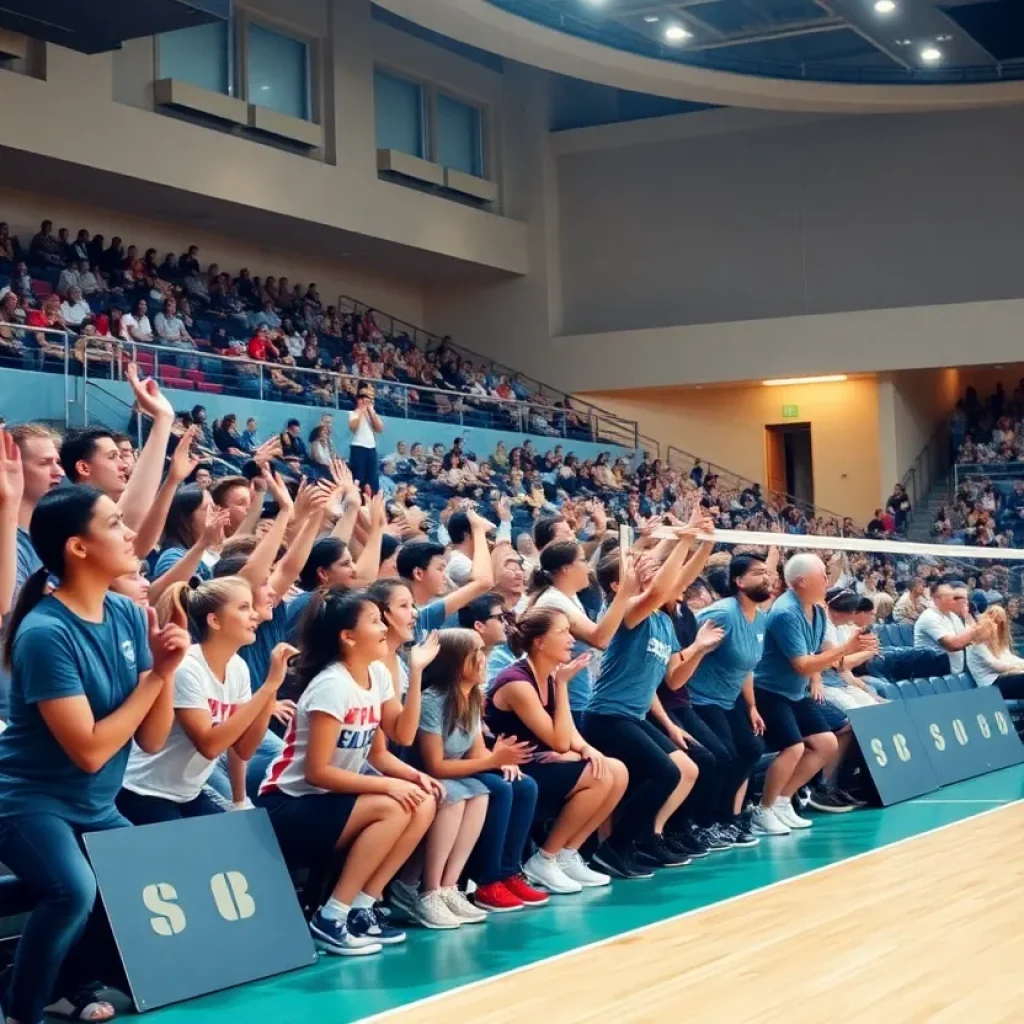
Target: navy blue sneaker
[(374, 924), (332, 936)]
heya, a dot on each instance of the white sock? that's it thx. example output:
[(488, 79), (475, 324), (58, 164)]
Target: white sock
[(783, 801), (546, 856), (362, 901), (335, 910)]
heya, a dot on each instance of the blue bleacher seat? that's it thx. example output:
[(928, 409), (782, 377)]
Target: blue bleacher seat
[(907, 689), (904, 632), (941, 684)]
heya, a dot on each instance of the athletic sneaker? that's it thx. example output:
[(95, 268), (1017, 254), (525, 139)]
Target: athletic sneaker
[(403, 898), (619, 864), (545, 871), (851, 798), (655, 852), (497, 898), (431, 911), (783, 810), (802, 798), (717, 838), (767, 823), (580, 871), (461, 907), (740, 835), (524, 892), (372, 923), (828, 801), (689, 841), (332, 936)]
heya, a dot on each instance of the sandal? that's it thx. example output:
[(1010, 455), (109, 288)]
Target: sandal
[(83, 1005)]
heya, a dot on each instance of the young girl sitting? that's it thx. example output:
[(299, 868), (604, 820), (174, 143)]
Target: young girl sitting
[(214, 708), (320, 799)]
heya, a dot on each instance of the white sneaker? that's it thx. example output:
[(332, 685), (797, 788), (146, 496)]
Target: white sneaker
[(576, 868), (545, 871), (465, 911), (766, 822), (783, 809), (432, 911)]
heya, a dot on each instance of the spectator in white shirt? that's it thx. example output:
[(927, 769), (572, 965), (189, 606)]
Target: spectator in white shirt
[(70, 277), (170, 328), (74, 309), (136, 326), (459, 569), (90, 280), (992, 661), (941, 630)]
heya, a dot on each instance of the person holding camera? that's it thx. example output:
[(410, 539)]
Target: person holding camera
[(364, 425)]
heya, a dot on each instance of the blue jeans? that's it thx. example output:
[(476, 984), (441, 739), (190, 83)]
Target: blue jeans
[(255, 769), (64, 944), (498, 853)]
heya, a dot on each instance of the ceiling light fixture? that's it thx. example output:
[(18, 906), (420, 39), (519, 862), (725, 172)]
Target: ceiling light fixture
[(651, 19), (833, 378), (931, 54), (885, 6), (677, 34)]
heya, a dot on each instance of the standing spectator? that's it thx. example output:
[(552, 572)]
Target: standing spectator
[(80, 247), (365, 425), (898, 506)]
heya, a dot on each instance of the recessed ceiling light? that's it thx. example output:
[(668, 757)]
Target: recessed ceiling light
[(651, 19), (885, 6), (931, 54), (676, 34)]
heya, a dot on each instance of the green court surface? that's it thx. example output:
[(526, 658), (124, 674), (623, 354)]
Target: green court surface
[(430, 963)]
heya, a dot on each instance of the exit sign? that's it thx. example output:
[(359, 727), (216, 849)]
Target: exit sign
[(790, 412)]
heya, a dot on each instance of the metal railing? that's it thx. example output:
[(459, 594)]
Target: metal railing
[(427, 340), (683, 461), (189, 368), (929, 468), (994, 471)]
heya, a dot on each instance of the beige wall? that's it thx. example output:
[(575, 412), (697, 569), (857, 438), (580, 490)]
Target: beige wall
[(23, 211), (726, 426)]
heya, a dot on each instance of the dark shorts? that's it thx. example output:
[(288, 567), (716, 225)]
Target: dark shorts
[(788, 722), (835, 718), (555, 781), (308, 827)]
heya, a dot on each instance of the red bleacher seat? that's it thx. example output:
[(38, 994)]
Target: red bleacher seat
[(41, 288), (210, 389), (170, 381), (196, 376)]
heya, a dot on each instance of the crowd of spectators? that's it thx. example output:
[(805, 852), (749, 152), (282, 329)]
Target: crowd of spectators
[(283, 340), (989, 431)]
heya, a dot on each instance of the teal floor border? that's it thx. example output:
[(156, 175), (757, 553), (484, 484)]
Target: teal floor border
[(430, 963)]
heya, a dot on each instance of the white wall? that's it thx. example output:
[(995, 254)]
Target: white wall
[(821, 216)]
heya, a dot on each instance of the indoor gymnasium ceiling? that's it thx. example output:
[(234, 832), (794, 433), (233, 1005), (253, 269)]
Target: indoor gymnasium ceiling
[(871, 41)]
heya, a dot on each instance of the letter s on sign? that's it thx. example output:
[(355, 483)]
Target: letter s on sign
[(160, 899)]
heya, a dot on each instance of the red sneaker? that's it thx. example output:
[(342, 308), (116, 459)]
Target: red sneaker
[(497, 898), (523, 891)]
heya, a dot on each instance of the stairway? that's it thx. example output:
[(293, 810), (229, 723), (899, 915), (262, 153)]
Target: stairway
[(926, 512)]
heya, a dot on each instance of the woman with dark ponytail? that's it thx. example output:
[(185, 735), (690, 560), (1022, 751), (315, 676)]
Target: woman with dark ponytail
[(562, 573), (320, 799), (214, 708), (88, 675)]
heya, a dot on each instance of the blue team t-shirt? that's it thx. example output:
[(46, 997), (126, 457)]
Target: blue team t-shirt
[(719, 677), (170, 557), (432, 616), (296, 606), (633, 666), (790, 634), (268, 636), (57, 654)]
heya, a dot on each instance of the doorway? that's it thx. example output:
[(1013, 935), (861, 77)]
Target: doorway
[(788, 465)]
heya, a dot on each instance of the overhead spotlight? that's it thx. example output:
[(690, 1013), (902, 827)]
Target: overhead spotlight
[(885, 6), (931, 54), (677, 34), (651, 19)]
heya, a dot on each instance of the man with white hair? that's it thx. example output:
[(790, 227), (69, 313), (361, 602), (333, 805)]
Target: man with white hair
[(790, 693)]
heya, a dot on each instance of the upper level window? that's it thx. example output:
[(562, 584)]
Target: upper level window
[(459, 136), (278, 72), (200, 55), (399, 112)]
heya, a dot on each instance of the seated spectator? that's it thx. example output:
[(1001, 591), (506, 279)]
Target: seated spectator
[(170, 328), (249, 440), (941, 630), (227, 440), (320, 448), (260, 346), (293, 448), (70, 277), (48, 319), (74, 310), (80, 247), (45, 247), (6, 244), (112, 261), (992, 661), (136, 326), (912, 602), (21, 283), (90, 280)]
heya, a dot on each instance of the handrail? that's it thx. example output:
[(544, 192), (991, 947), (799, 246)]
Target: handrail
[(412, 331), (520, 412), (928, 466), (810, 509)]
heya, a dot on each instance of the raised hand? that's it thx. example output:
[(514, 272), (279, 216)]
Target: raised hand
[(169, 644), (280, 656), (571, 669), (284, 711), (183, 462), (424, 653), (216, 523), (344, 481), (709, 636), (148, 396), (12, 475), (279, 492)]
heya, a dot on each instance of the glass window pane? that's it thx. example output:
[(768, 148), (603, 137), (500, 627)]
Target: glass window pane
[(398, 108), (458, 136), (198, 55), (278, 72)]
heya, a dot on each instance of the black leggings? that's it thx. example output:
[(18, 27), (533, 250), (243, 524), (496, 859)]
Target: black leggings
[(703, 804), (644, 749), (1011, 686), (735, 735)]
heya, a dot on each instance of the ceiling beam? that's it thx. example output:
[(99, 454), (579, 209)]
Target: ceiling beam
[(790, 31)]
